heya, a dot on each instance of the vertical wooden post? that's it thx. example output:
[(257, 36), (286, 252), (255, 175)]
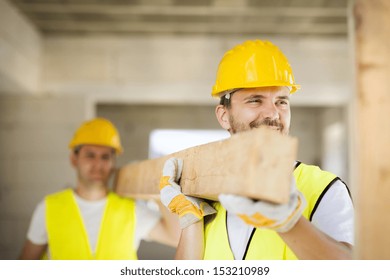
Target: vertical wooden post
[(372, 193)]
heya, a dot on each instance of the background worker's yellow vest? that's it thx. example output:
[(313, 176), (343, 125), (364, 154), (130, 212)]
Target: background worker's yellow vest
[(68, 238), (266, 244)]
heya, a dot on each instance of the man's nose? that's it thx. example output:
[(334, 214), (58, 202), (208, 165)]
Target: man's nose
[(99, 162), (270, 111)]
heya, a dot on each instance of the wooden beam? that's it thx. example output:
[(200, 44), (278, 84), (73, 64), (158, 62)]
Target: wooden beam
[(257, 164), (244, 27), (372, 193), (176, 10)]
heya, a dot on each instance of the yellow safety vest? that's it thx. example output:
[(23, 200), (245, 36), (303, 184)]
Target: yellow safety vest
[(266, 244), (68, 238)]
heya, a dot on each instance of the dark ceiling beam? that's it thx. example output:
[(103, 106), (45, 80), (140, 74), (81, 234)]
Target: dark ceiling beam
[(191, 27), (318, 12)]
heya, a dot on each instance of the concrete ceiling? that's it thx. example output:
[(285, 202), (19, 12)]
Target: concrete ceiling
[(223, 17)]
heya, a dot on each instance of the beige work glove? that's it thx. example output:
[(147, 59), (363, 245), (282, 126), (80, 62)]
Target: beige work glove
[(189, 209), (266, 215)]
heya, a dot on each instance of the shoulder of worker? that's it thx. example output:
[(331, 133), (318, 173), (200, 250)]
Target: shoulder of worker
[(314, 177), (59, 193)]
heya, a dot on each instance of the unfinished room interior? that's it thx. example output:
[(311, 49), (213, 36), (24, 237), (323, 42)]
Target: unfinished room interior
[(149, 67)]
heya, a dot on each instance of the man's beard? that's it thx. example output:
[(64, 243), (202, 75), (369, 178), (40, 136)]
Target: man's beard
[(239, 127)]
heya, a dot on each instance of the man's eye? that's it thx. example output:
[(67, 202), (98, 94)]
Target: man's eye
[(254, 101), (107, 157), (282, 102)]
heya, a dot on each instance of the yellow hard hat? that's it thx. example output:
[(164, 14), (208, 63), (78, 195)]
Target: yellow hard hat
[(253, 64), (98, 131)]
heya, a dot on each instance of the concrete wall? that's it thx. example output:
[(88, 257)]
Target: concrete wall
[(34, 133), (179, 69), (20, 52)]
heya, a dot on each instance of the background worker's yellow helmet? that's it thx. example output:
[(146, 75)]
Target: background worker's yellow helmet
[(253, 64), (98, 131)]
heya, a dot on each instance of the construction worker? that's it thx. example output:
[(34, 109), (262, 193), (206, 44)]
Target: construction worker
[(254, 83), (90, 221)]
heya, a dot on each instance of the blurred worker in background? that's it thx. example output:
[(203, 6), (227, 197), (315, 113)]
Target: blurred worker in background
[(254, 83), (89, 221)]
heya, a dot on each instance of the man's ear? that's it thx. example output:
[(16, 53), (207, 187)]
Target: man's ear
[(223, 116)]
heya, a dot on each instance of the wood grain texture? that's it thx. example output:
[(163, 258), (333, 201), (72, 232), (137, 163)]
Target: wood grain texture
[(257, 164), (372, 192)]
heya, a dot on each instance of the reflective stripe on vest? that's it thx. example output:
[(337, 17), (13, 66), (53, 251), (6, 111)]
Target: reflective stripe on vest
[(266, 244), (68, 238)]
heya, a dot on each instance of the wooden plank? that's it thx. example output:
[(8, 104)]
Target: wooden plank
[(256, 163), (372, 192)]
